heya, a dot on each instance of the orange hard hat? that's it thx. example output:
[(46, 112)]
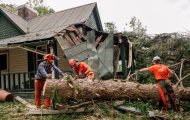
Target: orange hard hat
[(72, 62), (49, 57)]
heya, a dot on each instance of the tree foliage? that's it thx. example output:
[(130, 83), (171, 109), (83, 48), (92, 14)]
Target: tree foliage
[(9, 7), (42, 10), (171, 47), (35, 3), (110, 27), (136, 26)]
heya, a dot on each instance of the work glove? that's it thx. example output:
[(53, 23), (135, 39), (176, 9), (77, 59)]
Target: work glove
[(135, 75), (136, 72), (65, 74), (49, 76)]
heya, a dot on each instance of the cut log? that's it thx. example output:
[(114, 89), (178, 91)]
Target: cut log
[(5, 96), (109, 89)]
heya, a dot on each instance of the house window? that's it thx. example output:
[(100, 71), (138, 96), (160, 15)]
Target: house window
[(3, 61), (39, 57)]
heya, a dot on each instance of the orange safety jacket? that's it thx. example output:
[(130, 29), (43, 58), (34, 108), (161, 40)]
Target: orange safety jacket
[(82, 68), (160, 71)]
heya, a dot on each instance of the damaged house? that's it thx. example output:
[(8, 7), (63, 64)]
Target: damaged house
[(71, 33)]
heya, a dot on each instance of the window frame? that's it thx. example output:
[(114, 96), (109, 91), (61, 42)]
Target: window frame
[(37, 58), (4, 53)]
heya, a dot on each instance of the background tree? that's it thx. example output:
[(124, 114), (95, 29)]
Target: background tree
[(39, 7), (171, 47), (9, 7), (141, 43), (110, 27), (42, 10), (35, 3), (136, 26)]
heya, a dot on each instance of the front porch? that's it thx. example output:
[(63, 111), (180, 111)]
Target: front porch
[(17, 82)]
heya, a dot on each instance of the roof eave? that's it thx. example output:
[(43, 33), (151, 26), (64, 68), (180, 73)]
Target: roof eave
[(99, 23), (22, 31)]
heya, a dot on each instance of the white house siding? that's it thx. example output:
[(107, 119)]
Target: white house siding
[(18, 63)]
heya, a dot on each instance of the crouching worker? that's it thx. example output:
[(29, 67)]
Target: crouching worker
[(44, 72), (81, 69), (162, 74)]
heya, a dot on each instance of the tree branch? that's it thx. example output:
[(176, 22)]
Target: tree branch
[(180, 73), (182, 79)]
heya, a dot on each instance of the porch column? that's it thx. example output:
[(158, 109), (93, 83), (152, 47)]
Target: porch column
[(53, 49)]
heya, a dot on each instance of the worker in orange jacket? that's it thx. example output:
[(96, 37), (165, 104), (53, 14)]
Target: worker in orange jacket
[(81, 69), (44, 72), (162, 74)]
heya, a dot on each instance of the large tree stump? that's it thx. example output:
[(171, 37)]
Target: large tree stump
[(109, 89)]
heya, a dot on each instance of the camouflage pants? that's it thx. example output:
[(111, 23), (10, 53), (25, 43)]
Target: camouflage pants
[(167, 95)]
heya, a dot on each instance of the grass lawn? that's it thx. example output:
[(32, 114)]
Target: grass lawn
[(102, 111)]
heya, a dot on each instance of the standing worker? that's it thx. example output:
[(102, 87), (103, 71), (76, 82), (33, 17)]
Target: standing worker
[(44, 72), (162, 74), (81, 69)]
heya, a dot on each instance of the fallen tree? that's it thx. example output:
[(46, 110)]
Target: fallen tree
[(109, 89)]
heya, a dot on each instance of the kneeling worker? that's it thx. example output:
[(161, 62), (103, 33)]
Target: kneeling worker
[(44, 72), (81, 69)]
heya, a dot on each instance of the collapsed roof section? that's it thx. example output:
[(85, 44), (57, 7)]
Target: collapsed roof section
[(104, 52), (110, 55)]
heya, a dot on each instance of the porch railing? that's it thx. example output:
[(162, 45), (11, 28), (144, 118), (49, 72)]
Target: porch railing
[(17, 81)]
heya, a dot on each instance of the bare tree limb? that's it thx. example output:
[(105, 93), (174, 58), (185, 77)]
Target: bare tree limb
[(81, 104), (176, 76), (181, 70), (174, 65), (182, 79)]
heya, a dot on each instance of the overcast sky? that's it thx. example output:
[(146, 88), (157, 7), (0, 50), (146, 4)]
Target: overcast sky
[(159, 16)]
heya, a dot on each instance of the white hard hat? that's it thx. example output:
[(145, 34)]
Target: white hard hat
[(156, 58)]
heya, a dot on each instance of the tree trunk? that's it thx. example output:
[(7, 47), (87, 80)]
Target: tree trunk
[(109, 89)]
